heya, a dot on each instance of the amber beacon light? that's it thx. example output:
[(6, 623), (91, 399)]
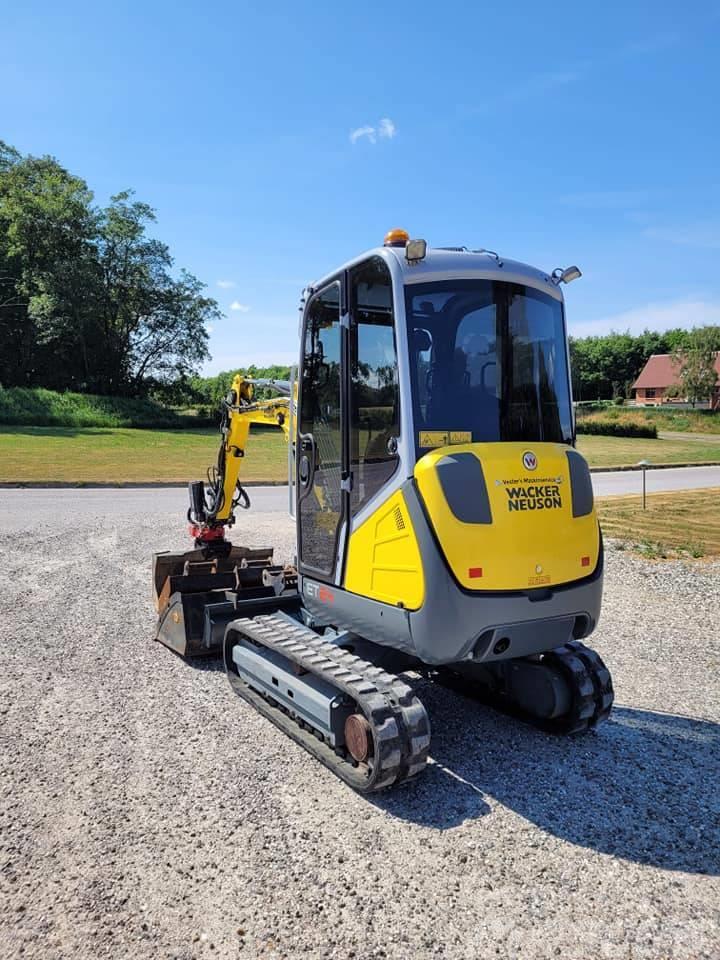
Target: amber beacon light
[(396, 238)]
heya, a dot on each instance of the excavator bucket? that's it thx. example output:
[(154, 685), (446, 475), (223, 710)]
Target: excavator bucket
[(197, 593)]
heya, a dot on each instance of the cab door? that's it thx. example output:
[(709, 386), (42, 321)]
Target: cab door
[(321, 457)]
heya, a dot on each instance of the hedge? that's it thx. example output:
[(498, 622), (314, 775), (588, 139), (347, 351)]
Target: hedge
[(36, 407), (617, 428)]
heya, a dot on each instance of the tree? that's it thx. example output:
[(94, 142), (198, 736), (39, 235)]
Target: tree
[(695, 364), (88, 300), (605, 367), (46, 230), (153, 326)]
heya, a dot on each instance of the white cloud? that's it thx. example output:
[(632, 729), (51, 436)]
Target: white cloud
[(652, 316), (226, 284), (361, 132), (385, 130), (239, 307)]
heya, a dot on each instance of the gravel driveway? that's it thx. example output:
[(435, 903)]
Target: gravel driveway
[(147, 813)]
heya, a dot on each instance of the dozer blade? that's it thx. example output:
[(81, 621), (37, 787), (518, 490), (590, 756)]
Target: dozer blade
[(197, 593)]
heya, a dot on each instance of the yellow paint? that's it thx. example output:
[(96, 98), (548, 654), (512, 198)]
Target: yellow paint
[(519, 549), (274, 411), (383, 560)]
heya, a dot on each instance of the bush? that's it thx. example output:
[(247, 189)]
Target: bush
[(22, 406), (605, 427)]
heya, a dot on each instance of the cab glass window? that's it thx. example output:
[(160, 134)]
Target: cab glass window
[(488, 362), (374, 395)]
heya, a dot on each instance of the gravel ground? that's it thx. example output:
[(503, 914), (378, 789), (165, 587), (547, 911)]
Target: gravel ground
[(145, 812)]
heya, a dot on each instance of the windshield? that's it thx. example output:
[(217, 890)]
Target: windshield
[(488, 362)]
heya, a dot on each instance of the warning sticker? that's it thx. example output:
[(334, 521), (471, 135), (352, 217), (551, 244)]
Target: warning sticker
[(433, 438), (442, 438)]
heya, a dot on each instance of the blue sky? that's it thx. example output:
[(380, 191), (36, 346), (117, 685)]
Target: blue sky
[(277, 140)]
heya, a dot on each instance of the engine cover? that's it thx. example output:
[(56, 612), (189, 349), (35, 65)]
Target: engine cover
[(511, 516)]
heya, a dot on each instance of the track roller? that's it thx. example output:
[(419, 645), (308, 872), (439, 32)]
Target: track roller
[(565, 691), (363, 723)]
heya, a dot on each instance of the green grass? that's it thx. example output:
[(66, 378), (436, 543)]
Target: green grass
[(619, 451), (684, 523), (92, 455), (44, 408)]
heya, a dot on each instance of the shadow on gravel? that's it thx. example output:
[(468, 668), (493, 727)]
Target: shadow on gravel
[(644, 787)]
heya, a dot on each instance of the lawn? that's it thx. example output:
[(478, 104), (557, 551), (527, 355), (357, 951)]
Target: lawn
[(93, 455), (621, 451), (685, 522), (96, 454)]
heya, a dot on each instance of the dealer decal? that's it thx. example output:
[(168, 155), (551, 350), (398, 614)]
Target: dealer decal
[(534, 496), (318, 591)]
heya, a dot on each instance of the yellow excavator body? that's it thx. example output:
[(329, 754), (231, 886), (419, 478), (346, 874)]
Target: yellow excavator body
[(445, 522)]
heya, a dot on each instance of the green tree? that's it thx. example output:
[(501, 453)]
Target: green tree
[(88, 300), (47, 227), (605, 367), (695, 365), (153, 326)]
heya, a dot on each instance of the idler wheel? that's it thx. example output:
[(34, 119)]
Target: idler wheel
[(358, 737)]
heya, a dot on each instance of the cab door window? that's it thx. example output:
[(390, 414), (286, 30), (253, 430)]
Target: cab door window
[(320, 434), (374, 393)]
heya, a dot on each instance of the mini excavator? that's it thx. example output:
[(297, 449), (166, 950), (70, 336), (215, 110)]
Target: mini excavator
[(445, 521)]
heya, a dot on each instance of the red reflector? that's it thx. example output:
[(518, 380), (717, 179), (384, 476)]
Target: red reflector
[(585, 561), (474, 572)]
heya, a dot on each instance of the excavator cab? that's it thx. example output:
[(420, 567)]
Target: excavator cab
[(435, 429), (445, 521)]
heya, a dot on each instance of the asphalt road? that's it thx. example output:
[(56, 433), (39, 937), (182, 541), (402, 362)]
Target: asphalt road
[(658, 481), (18, 505)]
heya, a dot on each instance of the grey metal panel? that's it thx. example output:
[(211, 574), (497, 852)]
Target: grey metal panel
[(340, 554), (380, 622), (463, 483), (309, 697), (580, 484), (453, 265)]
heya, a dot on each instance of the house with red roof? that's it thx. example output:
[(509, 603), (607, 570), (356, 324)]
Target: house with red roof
[(659, 374)]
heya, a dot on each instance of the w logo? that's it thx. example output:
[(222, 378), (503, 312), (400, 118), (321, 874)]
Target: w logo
[(529, 460)]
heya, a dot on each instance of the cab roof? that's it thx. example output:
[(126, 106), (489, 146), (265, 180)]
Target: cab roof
[(453, 264)]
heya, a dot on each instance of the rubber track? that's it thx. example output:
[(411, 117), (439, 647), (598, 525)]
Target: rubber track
[(399, 722), (591, 691)]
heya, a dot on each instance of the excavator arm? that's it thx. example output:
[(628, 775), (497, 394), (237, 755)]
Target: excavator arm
[(199, 591), (213, 504)]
